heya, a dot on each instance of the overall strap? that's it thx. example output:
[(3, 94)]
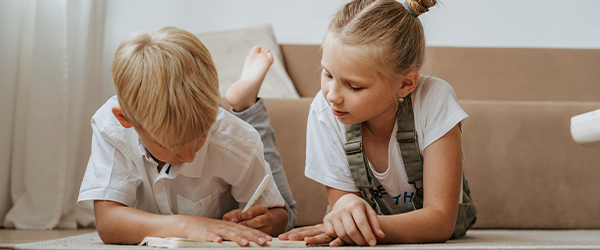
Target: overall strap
[(413, 164), (359, 166), (407, 140)]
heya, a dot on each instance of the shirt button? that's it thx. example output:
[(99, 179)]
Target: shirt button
[(199, 205), (158, 185)]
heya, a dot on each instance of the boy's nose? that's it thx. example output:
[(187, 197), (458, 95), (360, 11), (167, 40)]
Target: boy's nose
[(187, 155)]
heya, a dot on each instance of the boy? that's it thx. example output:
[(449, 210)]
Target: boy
[(186, 162)]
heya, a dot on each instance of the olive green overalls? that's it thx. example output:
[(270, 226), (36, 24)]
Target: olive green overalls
[(413, 163)]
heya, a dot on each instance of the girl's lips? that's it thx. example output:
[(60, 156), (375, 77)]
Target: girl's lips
[(339, 113)]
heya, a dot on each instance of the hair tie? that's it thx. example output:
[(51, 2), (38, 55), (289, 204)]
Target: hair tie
[(408, 9)]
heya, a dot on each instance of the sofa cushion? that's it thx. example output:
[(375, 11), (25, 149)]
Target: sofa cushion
[(525, 170), (229, 50)]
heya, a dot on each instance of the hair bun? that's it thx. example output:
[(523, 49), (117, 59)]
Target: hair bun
[(420, 6)]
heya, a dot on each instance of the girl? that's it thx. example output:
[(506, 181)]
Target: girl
[(370, 85)]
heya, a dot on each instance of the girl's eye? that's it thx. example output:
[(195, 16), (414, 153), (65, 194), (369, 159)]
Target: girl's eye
[(354, 88), (327, 75)]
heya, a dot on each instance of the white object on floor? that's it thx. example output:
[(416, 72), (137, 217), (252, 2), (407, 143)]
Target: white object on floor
[(585, 129)]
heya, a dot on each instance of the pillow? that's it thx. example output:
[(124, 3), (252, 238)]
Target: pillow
[(229, 50)]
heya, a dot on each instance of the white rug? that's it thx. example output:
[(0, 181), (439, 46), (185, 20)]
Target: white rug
[(475, 239)]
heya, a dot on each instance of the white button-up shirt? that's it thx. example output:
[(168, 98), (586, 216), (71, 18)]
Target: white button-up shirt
[(223, 176)]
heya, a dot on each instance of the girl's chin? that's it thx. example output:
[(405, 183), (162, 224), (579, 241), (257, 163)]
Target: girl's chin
[(347, 120)]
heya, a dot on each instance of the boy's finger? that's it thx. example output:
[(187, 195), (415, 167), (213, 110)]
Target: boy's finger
[(239, 240), (232, 214), (257, 222), (261, 241), (253, 212), (374, 222), (256, 236), (214, 237), (241, 237)]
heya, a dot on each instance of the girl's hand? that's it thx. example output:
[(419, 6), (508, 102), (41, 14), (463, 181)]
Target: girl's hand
[(310, 234), (204, 229), (257, 217), (352, 221)]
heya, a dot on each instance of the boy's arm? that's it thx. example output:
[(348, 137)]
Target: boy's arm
[(119, 224), (280, 220)]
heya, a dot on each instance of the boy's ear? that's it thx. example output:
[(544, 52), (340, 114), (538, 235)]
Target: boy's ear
[(409, 83), (118, 112)]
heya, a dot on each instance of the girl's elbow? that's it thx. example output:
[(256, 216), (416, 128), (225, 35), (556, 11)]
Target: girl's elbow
[(446, 229)]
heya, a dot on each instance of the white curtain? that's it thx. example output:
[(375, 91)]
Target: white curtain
[(50, 70)]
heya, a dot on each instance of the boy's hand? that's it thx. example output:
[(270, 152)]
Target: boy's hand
[(204, 229), (257, 217), (352, 221)]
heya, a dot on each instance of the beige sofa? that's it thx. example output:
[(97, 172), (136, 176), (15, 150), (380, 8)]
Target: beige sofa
[(524, 169)]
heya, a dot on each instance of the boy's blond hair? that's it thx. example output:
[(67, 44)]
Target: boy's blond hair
[(167, 84)]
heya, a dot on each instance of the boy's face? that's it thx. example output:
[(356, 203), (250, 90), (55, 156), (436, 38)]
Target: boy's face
[(185, 154)]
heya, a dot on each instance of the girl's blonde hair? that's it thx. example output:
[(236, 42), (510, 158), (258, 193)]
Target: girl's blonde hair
[(167, 84), (383, 34)]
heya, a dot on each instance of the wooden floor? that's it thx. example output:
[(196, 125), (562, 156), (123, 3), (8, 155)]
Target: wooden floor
[(9, 236)]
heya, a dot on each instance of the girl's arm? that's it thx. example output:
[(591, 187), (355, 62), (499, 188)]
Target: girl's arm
[(442, 172), (119, 224), (350, 220)]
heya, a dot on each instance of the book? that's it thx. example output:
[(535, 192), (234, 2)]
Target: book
[(172, 242)]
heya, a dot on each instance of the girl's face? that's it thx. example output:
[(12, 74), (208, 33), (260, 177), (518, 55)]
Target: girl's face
[(356, 92)]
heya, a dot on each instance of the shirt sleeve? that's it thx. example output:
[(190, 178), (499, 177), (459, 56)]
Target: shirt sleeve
[(440, 110), (109, 174), (326, 161), (256, 170)]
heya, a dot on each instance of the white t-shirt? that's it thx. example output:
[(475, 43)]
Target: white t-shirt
[(223, 176), (436, 111)]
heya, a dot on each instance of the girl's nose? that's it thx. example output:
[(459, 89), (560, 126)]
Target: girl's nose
[(334, 96)]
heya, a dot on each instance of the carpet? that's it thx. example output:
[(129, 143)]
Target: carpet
[(475, 239)]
